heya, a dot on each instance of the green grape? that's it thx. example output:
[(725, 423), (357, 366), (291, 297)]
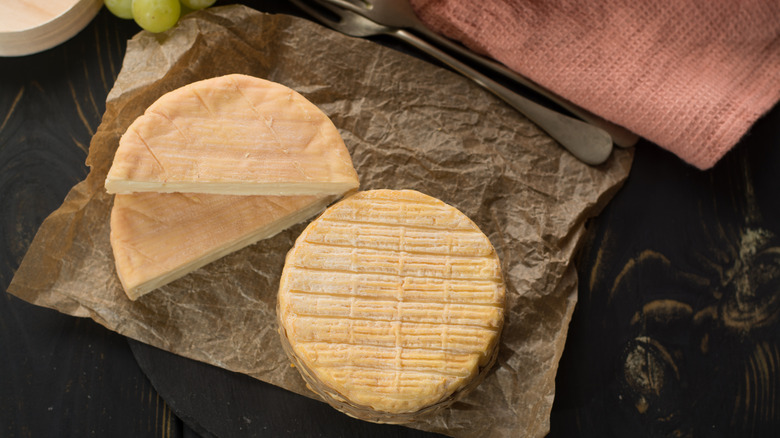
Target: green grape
[(120, 8), (197, 4), (156, 15)]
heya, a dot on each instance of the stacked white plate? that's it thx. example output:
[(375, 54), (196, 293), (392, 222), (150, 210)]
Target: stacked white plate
[(31, 26)]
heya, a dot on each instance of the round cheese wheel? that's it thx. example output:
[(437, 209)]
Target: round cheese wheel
[(391, 304)]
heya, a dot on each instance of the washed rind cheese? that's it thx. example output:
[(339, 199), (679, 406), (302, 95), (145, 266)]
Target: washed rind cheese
[(157, 238), (213, 167), (236, 135), (391, 304)]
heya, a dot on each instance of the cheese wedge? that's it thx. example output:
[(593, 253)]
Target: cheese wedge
[(236, 135), (390, 304), (159, 237)]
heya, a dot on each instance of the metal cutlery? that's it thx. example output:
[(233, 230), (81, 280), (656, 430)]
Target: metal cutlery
[(586, 142), (399, 14)]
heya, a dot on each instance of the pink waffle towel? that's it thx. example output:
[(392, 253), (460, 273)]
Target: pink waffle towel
[(689, 75)]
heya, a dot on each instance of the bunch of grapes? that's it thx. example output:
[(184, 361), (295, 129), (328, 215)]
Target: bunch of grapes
[(154, 15)]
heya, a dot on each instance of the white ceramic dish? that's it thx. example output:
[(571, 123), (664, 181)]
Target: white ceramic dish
[(31, 26)]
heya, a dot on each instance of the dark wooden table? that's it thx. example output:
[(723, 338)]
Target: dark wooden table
[(676, 332)]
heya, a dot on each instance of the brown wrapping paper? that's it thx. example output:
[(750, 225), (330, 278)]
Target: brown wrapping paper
[(408, 125)]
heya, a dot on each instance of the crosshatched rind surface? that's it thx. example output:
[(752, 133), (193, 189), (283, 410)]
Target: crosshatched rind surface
[(391, 302)]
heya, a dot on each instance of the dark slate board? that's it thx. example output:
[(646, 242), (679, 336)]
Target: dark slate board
[(676, 333), (220, 403)]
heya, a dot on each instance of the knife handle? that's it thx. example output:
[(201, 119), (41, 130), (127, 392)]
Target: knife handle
[(620, 136), (588, 143)]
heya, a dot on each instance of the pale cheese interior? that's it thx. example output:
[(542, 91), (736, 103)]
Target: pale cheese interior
[(157, 238), (272, 189)]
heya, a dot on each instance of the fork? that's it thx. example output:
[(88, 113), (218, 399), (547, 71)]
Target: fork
[(399, 14), (588, 143)]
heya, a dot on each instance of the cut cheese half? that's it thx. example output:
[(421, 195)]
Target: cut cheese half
[(390, 304), (159, 237), (235, 135)]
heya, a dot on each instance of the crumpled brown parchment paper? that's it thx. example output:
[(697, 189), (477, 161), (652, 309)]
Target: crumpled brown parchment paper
[(408, 125)]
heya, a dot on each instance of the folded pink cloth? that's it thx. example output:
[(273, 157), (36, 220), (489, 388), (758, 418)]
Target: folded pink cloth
[(690, 76)]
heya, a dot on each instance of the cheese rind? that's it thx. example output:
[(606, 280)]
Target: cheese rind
[(232, 134), (391, 303), (159, 237)]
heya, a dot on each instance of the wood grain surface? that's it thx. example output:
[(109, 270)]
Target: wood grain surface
[(59, 375), (677, 329), (676, 333)]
